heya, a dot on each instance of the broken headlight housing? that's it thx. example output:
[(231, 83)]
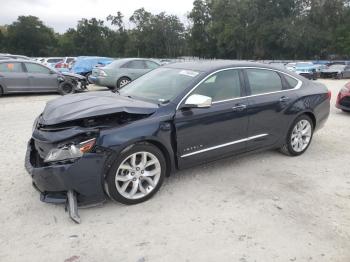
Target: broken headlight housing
[(70, 151)]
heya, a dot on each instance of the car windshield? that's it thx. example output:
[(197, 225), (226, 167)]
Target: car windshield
[(160, 85)]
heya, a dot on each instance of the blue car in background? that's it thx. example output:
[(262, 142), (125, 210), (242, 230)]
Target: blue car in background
[(84, 64), (307, 70)]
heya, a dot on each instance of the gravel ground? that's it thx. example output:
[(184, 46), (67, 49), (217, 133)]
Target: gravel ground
[(261, 207)]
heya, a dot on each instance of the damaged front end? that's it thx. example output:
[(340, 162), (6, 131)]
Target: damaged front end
[(66, 163)]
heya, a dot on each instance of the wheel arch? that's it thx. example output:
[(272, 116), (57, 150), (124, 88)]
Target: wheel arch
[(311, 115), (169, 157), (123, 76)]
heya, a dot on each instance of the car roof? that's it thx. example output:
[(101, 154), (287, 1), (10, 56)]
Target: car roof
[(213, 65), (19, 61)]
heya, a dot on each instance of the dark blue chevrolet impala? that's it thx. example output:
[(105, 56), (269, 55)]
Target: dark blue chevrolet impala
[(89, 146)]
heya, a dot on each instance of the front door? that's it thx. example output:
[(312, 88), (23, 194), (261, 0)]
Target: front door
[(205, 134), (41, 78)]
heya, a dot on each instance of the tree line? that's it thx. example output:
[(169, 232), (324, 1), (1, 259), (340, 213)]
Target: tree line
[(230, 29)]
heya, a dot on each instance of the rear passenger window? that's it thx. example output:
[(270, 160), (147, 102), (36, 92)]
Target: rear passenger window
[(11, 68), (151, 65), (291, 81), (263, 81), (136, 64), (221, 86)]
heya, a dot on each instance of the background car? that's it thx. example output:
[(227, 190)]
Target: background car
[(336, 71), (65, 64), (343, 99), (306, 69), (23, 76), (121, 72), (51, 61), (83, 65), (290, 66)]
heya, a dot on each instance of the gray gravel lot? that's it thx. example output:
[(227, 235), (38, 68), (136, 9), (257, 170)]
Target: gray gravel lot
[(261, 207)]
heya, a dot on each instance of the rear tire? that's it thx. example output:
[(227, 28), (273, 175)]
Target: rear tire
[(123, 81), (345, 111), (137, 174), (66, 88), (299, 136), (1, 91)]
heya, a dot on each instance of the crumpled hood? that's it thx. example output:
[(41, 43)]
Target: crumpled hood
[(80, 106)]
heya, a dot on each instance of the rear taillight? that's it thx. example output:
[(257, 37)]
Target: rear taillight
[(329, 94)]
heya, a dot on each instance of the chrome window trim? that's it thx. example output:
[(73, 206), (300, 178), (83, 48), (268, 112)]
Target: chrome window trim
[(223, 145), (245, 67)]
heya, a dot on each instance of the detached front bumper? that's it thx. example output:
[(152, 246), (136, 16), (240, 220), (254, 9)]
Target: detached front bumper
[(84, 176)]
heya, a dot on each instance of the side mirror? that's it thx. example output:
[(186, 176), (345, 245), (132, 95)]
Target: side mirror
[(198, 101)]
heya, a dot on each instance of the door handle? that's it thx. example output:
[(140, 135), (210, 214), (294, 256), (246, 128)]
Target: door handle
[(239, 107), (284, 99)]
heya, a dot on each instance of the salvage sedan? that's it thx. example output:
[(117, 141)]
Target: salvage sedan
[(122, 145), (336, 71), (22, 76)]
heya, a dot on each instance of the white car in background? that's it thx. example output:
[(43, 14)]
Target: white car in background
[(66, 64), (51, 61)]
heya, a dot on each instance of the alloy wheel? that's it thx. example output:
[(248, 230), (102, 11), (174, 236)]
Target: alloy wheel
[(124, 82), (138, 175), (301, 135)]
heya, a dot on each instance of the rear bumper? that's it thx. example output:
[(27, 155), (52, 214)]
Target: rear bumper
[(84, 176)]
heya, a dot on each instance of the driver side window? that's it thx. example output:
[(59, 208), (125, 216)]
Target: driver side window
[(221, 86)]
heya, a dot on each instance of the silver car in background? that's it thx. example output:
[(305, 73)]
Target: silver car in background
[(121, 72)]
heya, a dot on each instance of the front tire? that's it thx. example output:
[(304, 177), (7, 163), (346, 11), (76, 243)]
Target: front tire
[(137, 174), (66, 88), (299, 136)]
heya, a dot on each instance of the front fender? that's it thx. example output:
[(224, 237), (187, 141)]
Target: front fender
[(159, 133)]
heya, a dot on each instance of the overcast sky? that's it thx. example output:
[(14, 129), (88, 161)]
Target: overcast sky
[(62, 14)]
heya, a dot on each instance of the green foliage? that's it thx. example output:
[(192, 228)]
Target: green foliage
[(29, 36), (237, 29)]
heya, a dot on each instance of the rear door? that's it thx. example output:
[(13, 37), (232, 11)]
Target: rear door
[(270, 95), (41, 78), (13, 78), (135, 68)]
